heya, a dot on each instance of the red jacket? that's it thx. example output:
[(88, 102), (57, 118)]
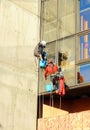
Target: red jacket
[(50, 69), (61, 87)]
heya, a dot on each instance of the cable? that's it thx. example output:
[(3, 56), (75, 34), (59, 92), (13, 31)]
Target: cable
[(60, 102), (40, 101)]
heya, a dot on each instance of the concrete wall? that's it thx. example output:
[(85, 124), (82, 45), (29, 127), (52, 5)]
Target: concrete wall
[(19, 33)]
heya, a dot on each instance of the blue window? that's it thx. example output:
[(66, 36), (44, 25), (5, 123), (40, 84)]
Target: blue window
[(84, 14), (85, 47), (84, 73)]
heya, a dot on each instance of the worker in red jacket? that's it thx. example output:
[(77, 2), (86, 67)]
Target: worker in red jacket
[(50, 69), (61, 84), (53, 69)]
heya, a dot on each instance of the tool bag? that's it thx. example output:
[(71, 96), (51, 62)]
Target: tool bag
[(42, 63)]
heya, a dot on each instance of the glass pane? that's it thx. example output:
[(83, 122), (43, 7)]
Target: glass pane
[(50, 50), (49, 23), (85, 47), (67, 48), (84, 14), (83, 73), (66, 18)]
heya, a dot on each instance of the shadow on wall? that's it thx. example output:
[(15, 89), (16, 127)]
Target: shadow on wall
[(1, 127)]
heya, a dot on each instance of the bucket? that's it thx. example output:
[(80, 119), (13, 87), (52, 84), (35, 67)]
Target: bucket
[(49, 87), (42, 63)]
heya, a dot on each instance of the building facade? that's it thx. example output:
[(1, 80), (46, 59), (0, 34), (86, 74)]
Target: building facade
[(65, 25), (19, 34)]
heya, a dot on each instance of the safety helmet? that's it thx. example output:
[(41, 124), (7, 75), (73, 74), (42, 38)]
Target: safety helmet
[(43, 43)]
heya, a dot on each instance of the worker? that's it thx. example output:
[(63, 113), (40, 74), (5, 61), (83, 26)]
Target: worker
[(61, 84), (50, 69), (39, 50), (56, 76), (40, 54)]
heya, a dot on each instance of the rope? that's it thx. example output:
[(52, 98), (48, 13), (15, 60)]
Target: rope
[(60, 102), (41, 101)]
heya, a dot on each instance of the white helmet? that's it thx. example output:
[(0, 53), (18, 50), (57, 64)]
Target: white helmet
[(43, 43)]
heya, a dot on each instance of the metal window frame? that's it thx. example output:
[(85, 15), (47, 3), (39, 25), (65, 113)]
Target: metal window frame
[(76, 35)]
